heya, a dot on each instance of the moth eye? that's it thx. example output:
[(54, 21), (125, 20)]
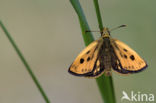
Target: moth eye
[(132, 57), (125, 56), (88, 58), (88, 52), (125, 50), (81, 60)]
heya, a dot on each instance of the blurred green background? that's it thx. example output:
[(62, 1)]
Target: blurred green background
[(49, 35)]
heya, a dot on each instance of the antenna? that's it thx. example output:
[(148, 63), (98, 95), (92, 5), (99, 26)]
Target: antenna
[(109, 30), (91, 31), (118, 27)]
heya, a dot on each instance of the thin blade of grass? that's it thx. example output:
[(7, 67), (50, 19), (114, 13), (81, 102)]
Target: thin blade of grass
[(19, 53), (87, 36), (104, 83)]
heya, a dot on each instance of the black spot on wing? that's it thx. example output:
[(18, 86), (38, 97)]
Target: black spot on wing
[(115, 45), (88, 59), (94, 51), (132, 57), (81, 60), (125, 56), (121, 54), (88, 52), (125, 50)]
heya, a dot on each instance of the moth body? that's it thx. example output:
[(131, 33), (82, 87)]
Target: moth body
[(105, 56)]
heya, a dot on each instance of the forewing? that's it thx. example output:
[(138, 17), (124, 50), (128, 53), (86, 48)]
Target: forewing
[(84, 64), (127, 60)]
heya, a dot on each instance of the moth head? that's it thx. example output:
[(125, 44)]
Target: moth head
[(105, 33)]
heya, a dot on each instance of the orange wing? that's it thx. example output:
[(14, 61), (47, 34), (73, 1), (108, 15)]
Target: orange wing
[(86, 61), (128, 60)]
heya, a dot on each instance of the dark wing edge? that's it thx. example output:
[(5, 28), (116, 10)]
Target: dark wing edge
[(116, 64), (122, 70)]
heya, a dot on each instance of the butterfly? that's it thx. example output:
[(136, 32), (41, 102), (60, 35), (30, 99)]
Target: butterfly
[(105, 53)]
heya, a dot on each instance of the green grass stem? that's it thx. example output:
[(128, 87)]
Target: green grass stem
[(105, 83), (98, 14), (87, 36), (24, 62)]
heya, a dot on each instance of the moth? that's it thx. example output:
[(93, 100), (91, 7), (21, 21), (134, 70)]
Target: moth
[(105, 53)]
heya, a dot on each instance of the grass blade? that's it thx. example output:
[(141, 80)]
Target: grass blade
[(25, 63), (98, 14), (87, 36), (104, 83)]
